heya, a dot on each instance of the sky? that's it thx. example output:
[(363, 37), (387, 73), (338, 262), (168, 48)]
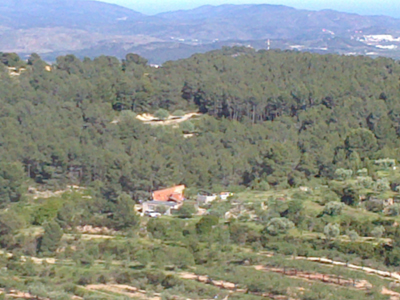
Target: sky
[(365, 7)]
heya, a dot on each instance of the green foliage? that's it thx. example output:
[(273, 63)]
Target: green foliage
[(10, 223), (219, 209), (204, 226), (12, 182), (143, 256), (378, 232), (353, 235), (124, 215), (393, 210), (186, 210), (278, 226), (350, 196), (333, 208), (51, 238), (11, 60), (47, 211), (161, 114), (382, 185), (295, 211), (187, 126), (331, 231), (374, 205), (303, 127), (157, 227), (262, 130), (361, 140), (342, 174), (180, 257), (178, 113)]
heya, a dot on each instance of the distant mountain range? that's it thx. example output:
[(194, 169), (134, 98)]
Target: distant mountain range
[(91, 28)]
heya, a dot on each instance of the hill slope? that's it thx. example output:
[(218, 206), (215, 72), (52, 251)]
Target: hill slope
[(272, 21), (91, 28), (77, 14)]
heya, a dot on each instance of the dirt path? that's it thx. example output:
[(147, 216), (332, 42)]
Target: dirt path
[(129, 291), (367, 270), (148, 119), (326, 261), (89, 236), (47, 194), (20, 295), (121, 289), (329, 279), (229, 286), (393, 295)]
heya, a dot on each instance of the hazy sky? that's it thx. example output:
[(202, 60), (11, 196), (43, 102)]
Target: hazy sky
[(383, 7)]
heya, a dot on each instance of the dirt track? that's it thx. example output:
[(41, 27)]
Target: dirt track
[(229, 286), (322, 260), (329, 279), (121, 289), (172, 121), (393, 295)]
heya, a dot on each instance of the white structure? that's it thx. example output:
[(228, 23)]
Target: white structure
[(225, 195), (156, 206), (205, 199)]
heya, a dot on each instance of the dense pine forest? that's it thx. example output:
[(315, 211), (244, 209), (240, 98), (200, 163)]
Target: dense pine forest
[(308, 144), (271, 119)]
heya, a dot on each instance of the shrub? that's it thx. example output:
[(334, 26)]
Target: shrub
[(180, 257), (187, 126), (382, 185), (393, 210), (157, 227), (365, 182), (127, 115), (278, 226), (10, 222), (343, 174), (124, 215), (378, 231), (186, 210), (331, 231), (206, 223), (353, 235), (178, 113), (373, 206), (350, 196), (47, 211), (51, 238), (170, 281), (362, 172), (238, 233), (161, 114), (333, 208)]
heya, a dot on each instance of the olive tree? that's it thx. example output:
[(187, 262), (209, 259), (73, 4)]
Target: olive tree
[(278, 226), (331, 231)]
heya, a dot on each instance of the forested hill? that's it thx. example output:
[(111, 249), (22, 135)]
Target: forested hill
[(92, 28), (271, 119)]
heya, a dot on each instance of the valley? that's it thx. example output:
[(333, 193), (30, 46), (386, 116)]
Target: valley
[(178, 35)]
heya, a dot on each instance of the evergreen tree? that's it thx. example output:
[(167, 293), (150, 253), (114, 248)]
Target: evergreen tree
[(51, 238)]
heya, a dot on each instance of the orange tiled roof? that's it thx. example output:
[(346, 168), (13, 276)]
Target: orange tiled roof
[(171, 194)]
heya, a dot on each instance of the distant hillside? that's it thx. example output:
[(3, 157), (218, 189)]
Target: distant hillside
[(270, 21), (76, 14), (91, 28)]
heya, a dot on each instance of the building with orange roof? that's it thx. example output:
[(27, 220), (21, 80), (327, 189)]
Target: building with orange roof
[(174, 194)]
